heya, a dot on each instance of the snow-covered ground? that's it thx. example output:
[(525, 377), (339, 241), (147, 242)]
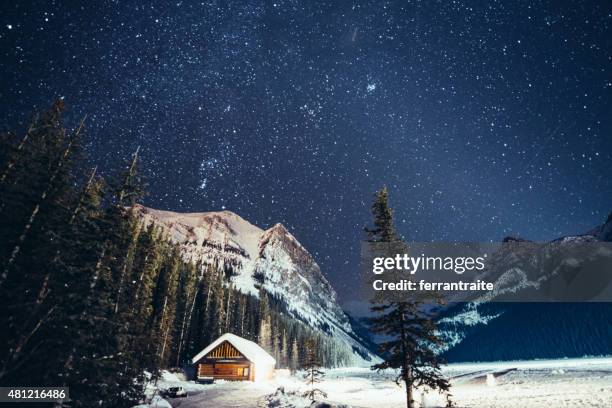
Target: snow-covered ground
[(572, 383)]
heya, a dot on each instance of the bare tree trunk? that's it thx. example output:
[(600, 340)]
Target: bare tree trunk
[(128, 176), (406, 370), (131, 248), (96, 275), (82, 198), (163, 350), (227, 309), (120, 288), (409, 392), (163, 318), (140, 278), (11, 163), (161, 325), (212, 278), (22, 343), (242, 316)]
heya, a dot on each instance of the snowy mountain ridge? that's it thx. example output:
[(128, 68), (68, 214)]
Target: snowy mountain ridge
[(271, 259), (530, 330)]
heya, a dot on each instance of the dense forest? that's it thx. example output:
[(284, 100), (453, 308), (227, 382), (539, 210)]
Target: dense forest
[(92, 297)]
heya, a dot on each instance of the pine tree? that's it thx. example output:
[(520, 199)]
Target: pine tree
[(188, 293), (411, 331), (91, 297), (312, 372), (284, 350), (253, 318), (34, 176), (126, 248), (295, 356), (167, 303), (35, 198), (264, 337), (242, 309), (57, 298), (228, 309), (198, 333), (91, 367), (384, 230), (140, 305), (218, 313)]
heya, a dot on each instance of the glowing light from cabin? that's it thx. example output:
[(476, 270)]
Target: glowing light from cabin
[(262, 372)]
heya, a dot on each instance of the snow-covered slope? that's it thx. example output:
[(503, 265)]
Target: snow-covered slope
[(254, 258)]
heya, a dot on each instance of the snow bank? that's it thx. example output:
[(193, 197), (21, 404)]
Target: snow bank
[(156, 402), (294, 399)]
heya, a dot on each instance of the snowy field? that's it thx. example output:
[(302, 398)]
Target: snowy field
[(529, 384)]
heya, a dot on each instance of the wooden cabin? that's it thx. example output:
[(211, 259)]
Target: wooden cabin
[(233, 358)]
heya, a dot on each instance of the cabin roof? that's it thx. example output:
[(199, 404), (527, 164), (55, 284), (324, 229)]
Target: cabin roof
[(252, 351)]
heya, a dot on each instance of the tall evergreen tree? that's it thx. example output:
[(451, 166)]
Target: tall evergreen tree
[(295, 356), (264, 337), (410, 330), (312, 371), (187, 301), (90, 368), (284, 350), (36, 198), (57, 290), (384, 229), (166, 303)]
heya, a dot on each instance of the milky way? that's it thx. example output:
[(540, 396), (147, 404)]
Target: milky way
[(485, 119)]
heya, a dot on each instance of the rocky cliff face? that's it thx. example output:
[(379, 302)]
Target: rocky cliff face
[(253, 259)]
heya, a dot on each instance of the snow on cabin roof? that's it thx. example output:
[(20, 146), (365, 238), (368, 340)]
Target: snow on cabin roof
[(252, 351)]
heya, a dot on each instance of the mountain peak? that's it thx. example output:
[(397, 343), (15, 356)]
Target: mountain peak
[(186, 218), (277, 230), (279, 227), (605, 231), (602, 232), (254, 259)]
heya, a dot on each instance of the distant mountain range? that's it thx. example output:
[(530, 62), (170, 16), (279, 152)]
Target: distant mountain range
[(488, 331), (272, 260)]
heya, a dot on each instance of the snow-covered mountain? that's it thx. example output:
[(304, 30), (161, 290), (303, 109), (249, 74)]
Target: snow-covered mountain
[(254, 258), (484, 329)]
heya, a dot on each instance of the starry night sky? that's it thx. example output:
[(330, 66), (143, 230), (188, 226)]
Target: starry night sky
[(485, 119)]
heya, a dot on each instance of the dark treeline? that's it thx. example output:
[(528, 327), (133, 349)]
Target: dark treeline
[(93, 299)]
